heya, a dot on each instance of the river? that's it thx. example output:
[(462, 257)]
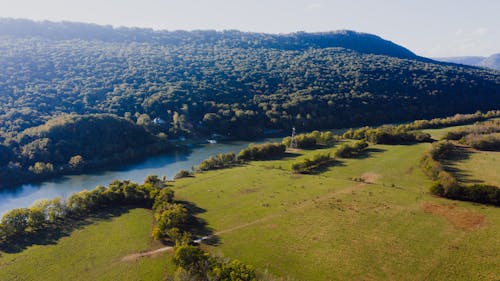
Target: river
[(164, 165)]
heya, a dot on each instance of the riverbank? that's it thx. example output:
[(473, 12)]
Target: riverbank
[(189, 154)]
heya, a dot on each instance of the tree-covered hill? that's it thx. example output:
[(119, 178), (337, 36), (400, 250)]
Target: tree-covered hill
[(202, 82), (360, 42)]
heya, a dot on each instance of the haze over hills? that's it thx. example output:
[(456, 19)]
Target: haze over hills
[(492, 61), (194, 84), (360, 42)]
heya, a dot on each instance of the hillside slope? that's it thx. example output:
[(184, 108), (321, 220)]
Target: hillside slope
[(232, 83)]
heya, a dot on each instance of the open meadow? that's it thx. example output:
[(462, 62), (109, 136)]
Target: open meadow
[(366, 218), (92, 251)]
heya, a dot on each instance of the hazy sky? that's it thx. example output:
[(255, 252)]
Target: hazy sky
[(427, 27)]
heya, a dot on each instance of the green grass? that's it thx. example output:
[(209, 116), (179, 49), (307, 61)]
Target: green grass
[(472, 166), (328, 227), (307, 227), (478, 166), (92, 252)]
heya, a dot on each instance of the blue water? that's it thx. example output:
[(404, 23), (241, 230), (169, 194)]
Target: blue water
[(164, 165)]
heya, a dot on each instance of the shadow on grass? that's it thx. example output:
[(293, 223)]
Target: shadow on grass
[(367, 153), (285, 155), (459, 154), (289, 155), (52, 234), (198, 227), (324, 168)]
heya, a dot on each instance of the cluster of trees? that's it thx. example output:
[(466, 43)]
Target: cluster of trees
[(195, 264), (262, 151), (441, 150), (219, 161), (446, 185), (351, 150), (48, 214), (407, 133), (75, 143), (171, 218), (387, 134), (484, 142), (455, 120), (252, 152), (312, 139), (482, 136), (489, 127), (311, 164)]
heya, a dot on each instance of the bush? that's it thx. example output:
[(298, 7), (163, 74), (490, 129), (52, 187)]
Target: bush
[(350, 150), (430, 166), (441, 150), (308, 165), (387, 134), (219, 161), (311, 140), (483, 193), (183, 174), (262, 151), (490, 142), (195, 264)]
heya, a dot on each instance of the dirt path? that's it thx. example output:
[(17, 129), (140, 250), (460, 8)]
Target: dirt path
[(136, 256)]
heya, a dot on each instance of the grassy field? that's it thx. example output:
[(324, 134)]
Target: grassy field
[(326, 226), (92, 252), (477, 167), (329, 227)]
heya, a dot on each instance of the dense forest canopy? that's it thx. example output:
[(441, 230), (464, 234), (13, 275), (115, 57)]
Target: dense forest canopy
[(178, 83)]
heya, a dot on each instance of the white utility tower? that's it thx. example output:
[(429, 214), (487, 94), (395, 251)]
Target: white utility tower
[(293, 141)]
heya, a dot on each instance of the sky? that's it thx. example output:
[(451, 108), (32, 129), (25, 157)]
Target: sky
[(432, 28)]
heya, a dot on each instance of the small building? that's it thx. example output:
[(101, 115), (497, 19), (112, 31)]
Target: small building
[(159, 121)]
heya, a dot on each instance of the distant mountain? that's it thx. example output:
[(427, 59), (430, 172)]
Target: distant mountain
[(492, 61), (357, 41)]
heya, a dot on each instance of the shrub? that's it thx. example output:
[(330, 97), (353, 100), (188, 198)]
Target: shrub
[(262, 151), (441, 149), (183, 174), (312, 139), (308, 165), (195, 264), (430, 166), (387, 134), (219, 161), (489, 142), (350, 150)]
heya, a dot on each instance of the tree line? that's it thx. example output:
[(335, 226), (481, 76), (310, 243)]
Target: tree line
[(446, 185), (311, 140), (48, 214), (482, 136)]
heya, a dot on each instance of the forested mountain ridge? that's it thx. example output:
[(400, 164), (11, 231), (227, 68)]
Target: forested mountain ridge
[(202, 82), (360, 42)]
